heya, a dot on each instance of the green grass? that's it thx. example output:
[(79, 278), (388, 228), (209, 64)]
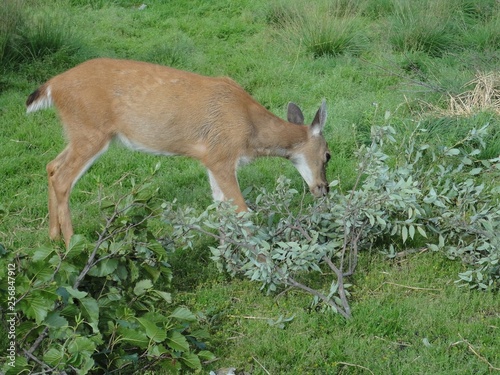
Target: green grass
[(323, 28), (409, 316), (407, 321)]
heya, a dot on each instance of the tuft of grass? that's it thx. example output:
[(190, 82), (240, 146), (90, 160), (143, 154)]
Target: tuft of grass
[(280, 14), (423, 26), (328, 28), (485, 36), (31, 37), (46, 34), (482, 10), (376, 9), (11, 19)]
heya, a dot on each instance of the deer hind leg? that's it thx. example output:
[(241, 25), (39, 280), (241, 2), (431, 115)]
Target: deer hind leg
[(225, 186), (63, 173)]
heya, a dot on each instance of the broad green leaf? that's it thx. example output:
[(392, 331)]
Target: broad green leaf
[(55, 320), (86, 366), (133, 336), (191, 360), (404, 233), (81, 344), (200, 334), (154, 272), (70, 311), (142, 287), (452, 152), (488, 226), (433, 247), (76, 245), (177, 341), (466, 161), (475, 171), (157, 248), (114, 294), (133, 270), (36, 306), (90, 311), (75, 293), (157, 350), (371, 219), (411, 231), (41, 273), (167, 297), (206, 355), (381, 222), (53, 356), (421, 231), (154, 332), (42, 253), (20, 366), (104, 268), (183, 314), (441, 241)]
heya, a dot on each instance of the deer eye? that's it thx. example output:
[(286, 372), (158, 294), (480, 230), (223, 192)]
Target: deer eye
[(328, 157)]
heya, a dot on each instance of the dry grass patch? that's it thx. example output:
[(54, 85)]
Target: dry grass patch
[(484, 96)]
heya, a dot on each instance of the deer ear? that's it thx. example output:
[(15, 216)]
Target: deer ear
[(294, 114), (319, 120)]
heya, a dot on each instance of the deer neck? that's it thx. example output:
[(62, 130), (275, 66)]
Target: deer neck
[(276, 137)]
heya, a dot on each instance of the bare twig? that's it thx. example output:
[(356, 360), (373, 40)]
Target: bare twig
[(346, 313), (260, 364), (475, 352), (355, 365), (38, 341), (404, 253), (430, 86), (44, 366), (407, 287), (248, 317)]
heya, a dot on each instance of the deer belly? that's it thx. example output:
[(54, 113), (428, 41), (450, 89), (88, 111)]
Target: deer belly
[(140, 146)]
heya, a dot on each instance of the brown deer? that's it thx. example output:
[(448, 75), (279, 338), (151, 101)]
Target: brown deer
[(166, 111)]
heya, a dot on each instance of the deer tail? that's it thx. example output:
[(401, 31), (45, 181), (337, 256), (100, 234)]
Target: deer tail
[(41, 98)]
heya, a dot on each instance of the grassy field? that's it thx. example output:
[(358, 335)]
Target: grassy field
[(367, 59)]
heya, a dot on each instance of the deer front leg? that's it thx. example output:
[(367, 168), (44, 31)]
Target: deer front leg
[(225, 186)]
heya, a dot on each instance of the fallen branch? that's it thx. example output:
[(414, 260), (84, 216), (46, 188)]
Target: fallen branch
[(406, 287), (474, 351)]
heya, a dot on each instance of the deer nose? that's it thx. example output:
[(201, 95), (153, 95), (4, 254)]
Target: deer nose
[(320, 190)]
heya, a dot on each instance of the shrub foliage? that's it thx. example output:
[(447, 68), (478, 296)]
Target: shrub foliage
[(104, 306), (407, 195)]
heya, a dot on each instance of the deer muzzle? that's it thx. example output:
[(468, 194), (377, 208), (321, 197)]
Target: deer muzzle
[(320, 190)]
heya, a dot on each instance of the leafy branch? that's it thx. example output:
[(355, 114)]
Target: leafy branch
[(426, 197), (90, 308)]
